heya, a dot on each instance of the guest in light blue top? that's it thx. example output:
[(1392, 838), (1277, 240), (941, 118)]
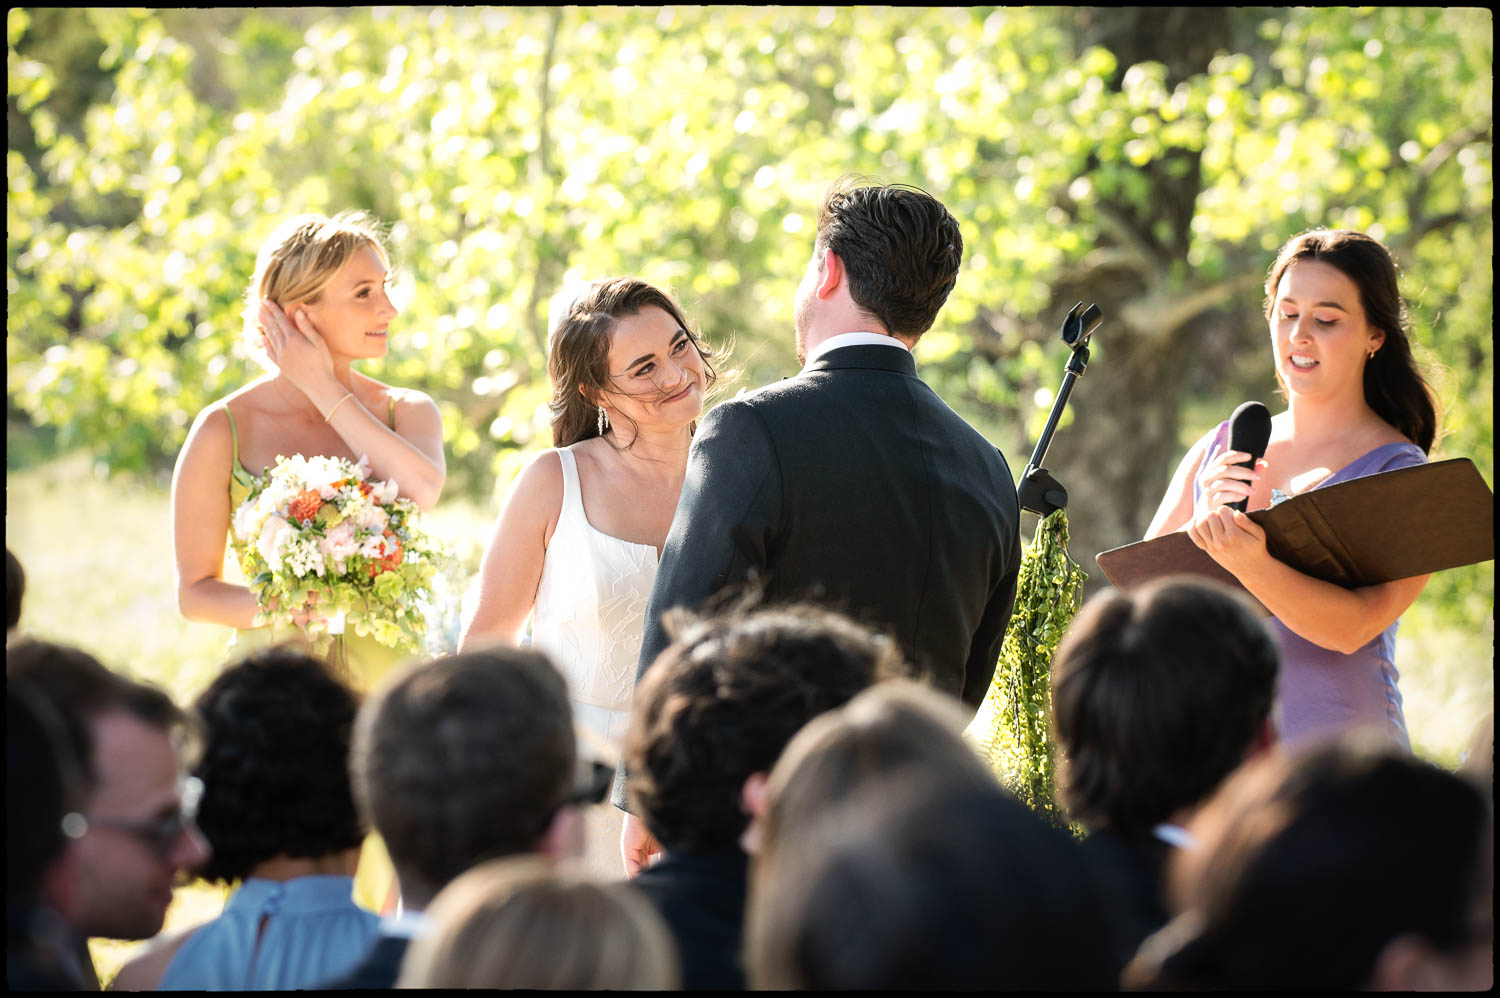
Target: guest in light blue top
[(313, 930), (278, 810)]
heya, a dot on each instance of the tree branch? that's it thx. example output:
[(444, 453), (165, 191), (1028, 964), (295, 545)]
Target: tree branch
[(1449, 147), (1435, 223), (1431, 163), (1160, 314), (1122, 226)]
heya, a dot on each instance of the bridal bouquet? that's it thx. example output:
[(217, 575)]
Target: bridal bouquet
[(317, 529)]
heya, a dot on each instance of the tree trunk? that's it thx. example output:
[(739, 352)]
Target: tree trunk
[(1116, 456)]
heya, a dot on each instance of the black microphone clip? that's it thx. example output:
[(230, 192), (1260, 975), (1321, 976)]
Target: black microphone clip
[(1038, 490), (1078, 326)]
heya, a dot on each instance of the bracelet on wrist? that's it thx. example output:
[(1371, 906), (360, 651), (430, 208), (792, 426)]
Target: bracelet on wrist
[(347, 397)]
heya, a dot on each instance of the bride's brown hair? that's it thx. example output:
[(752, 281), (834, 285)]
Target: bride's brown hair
[(578, 352)]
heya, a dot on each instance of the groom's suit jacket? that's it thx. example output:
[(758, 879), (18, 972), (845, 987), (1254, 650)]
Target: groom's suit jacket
[(852, 485)]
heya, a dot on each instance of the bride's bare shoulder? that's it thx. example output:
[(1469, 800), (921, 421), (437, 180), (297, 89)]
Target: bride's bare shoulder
[(542, 474)]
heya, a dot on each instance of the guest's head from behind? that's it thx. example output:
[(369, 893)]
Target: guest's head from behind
[(1337, 290), (15, 588), (43, 788), (1349, 865), (894, 248), (622, 357), (43, 785), (923, 881), (720, 704), (1157, 695), (466, 758), (889, 728), (275, 767), (333, 268), (525, 922), (138, 832)]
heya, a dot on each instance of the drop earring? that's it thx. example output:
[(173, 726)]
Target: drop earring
[(603, 421)]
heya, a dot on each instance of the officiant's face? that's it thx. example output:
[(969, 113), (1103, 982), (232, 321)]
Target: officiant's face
[(354, 311), (1319, 332), (655, 371)]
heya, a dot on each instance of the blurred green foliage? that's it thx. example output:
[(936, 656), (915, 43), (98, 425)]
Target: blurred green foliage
[(1159, 156)]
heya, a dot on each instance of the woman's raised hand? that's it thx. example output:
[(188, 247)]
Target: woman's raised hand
[(1224, 481), (296, 347)]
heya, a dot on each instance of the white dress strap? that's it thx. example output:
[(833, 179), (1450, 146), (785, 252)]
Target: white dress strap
[(572, 497)]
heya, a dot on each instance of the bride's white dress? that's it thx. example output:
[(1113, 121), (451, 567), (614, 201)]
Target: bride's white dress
[(589, 615)]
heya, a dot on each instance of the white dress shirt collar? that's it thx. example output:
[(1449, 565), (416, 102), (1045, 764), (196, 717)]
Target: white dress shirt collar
[(856, 339)]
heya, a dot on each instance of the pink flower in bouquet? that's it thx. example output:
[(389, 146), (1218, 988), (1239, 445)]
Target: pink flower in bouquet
[(373, 518), (338, 545)]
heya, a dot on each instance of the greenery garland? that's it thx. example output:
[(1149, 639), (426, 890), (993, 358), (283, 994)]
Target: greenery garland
[(1013, 728)]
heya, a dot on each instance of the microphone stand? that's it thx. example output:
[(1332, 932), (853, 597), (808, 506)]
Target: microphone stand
[(1039, 491)]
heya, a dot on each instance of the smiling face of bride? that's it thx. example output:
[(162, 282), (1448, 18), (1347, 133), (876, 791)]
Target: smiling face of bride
[(624, 345), (656, 375)]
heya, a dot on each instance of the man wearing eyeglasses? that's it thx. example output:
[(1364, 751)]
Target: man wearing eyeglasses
[(137, 831)]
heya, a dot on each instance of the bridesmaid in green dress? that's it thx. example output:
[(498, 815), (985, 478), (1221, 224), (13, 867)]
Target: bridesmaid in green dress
[(316, 304)]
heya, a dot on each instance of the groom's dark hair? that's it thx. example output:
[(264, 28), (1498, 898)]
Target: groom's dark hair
[(723, 700), (901, 250)]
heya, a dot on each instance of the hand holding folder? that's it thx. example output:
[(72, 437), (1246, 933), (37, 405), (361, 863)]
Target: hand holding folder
[(1392, 525)]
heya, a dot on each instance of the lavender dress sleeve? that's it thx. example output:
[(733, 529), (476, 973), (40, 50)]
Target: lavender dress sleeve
[(1320, 691)]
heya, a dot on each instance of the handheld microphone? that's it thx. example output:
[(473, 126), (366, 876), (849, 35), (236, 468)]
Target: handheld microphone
[(1249, 431)]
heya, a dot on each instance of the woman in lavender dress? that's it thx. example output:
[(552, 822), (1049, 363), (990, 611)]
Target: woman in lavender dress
[(1356, 406)]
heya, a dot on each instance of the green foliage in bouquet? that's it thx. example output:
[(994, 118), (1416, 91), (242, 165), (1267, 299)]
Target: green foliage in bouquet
[(1013, 728)]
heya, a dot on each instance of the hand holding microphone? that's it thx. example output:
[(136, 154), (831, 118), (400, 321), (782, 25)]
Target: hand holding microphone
[(1249, 432), (1229, 482)]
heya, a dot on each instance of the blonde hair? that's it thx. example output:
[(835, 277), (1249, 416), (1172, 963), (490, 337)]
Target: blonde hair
[(523, 922), (299, 259)]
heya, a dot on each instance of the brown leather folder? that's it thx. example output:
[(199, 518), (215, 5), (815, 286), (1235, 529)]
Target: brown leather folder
[(1392, 525)]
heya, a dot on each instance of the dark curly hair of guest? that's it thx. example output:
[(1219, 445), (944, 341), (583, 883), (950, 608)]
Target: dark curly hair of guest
[(276, 731), (723, 700)]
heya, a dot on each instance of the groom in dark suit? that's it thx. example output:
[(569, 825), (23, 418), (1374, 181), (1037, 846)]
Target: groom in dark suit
[(852, 484)]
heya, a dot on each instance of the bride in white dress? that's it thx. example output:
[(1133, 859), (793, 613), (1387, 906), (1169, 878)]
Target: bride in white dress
[(576, 545)]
